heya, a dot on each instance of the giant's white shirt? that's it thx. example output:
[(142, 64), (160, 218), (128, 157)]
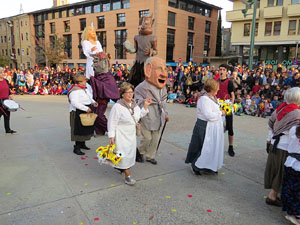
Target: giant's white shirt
[(87, 50)]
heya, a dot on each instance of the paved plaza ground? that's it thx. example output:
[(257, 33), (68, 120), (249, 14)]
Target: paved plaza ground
[(43, 183)]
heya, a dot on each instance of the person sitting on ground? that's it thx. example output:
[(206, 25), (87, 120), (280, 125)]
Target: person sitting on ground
[(268, 108), (275, 103), (261, 109), (252, 109), (239, 107), (188, 95), (171, 96), (193, 101), (247, 102)]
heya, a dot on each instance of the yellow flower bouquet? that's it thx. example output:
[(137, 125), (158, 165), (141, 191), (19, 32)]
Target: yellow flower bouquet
[(227, 106), (108, 155)]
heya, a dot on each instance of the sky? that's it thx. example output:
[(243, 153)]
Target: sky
[(12, 7)]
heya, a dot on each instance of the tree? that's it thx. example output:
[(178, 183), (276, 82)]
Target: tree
[(55, 51), (219, 36), (4, 61)]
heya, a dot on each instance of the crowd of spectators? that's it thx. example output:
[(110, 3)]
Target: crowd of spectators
[(257, 92), (51, 81)]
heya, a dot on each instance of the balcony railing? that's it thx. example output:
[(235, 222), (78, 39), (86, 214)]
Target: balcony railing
[(237, 15), (273, 12), (293, 10)]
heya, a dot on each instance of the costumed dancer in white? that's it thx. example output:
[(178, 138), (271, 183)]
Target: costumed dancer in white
[(122, 128), (206, 150), (90, 46)]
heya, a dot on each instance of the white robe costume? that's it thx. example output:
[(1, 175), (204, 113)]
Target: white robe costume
[(212, 154), (122, 127), (87, 50)]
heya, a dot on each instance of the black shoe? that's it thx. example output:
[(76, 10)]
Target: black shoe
[(153, 161), (83, 146), (195, 172), (11, 132), (77, 150), (139, 157), (230, 151)]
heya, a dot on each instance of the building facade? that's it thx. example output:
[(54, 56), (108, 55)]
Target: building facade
[(277, 31), (185, 29), (17, 41)]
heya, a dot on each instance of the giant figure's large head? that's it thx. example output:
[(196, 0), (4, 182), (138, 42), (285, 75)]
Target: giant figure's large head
[(89, 33), (156, 72), (101, 63), (146, 25)]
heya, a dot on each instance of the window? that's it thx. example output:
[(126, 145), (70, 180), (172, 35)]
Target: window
[(270, 3), (52, 41), (279, 2), (190, 42), (101, 36), (171, 19), (295, 1), (191, 21), (277, 27), (60, 14), (101, 22), (106, 6), (97, 8), (126, 4), (27, 51), (88, 9), (190, 8), (206, 42), (52, 28), (82, 24), (268, 29), (207, 26), (68, 45), (170, 44), (18, 52), (121, 20), (67, 26), (247, 29), (292, 27), (116, 4), (172, 3), (81, 54), (143, 13), (120, 36), (26, 36), (299, 28), (79, 11), (207, 13), (256, 29), (181, 5), (71, 12)]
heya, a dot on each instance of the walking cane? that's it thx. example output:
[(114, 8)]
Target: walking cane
[(162, 132)]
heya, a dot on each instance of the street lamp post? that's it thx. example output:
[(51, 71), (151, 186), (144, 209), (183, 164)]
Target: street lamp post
[(248, 5)]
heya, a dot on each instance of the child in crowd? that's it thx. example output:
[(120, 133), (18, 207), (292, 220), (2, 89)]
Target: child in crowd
[(171, 96), (252, 109), (256, 87), (268, 108), (239, 107), (256, 98), (188, 96), (275, 103), (193, 101), (261, 109), (247, 102)]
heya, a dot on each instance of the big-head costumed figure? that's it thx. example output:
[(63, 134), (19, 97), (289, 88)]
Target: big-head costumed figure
[(90, 46), (154, 87), (104, 88), (145, 46)]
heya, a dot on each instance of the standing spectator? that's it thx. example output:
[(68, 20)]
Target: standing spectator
[(225, 92)]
